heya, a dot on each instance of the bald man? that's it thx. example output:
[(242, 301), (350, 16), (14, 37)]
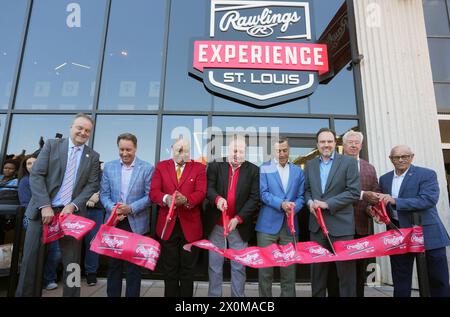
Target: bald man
[(233, 188), (412, 189), (187, 179)]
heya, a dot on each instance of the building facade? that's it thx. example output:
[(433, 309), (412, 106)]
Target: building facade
[(127, 62)]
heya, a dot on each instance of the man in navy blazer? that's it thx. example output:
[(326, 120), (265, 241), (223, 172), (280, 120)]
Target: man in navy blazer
[(412, 189), (126, 181), (282, 185)]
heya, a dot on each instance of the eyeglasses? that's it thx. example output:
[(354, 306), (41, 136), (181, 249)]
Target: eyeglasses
[(402, 157)]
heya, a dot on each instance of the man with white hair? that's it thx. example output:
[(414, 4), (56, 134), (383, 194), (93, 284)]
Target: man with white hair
[(233, 188), (352, 142), (187, 180), (410, 189)]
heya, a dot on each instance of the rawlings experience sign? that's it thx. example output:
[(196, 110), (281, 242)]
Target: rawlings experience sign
[(259, 52)]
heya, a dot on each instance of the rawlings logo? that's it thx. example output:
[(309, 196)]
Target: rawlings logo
[(112, 241), (318, 251), (55, 228), (358, 246), (147, 251), (260, 25), (250, 258), (393, 240), (417, 238), (74, 225)]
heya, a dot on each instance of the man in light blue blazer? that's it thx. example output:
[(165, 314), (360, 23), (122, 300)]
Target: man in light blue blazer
[(126, 181), (282, 185)]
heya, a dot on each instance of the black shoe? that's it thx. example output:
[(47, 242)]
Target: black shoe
[(91, 279)]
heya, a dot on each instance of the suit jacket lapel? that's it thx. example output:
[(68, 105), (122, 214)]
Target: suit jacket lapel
[(291, 177), (134, 175), (172, 172), (316, 171), (406, 180), (242, 178), (334, 168), (277, 174), (186, 171), (63, 152), (225, 167), (85, 156)]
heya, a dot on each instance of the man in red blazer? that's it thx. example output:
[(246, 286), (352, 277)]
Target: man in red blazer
[(187, 179)]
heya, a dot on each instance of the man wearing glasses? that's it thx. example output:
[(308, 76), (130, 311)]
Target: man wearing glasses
[(408, 189)]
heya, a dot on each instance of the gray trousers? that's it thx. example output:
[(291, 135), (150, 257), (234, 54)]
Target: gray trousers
[(287, 274), (346, 270), (33, 254), (215, 267)]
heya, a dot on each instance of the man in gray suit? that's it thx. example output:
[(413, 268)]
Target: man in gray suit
[(332, 184), (63, 178)]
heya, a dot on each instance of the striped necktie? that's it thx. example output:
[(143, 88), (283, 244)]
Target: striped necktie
[(69, 178)]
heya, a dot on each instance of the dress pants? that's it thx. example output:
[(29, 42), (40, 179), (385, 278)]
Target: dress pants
[(402, 271), (31, 271), (116, 268), (346, 270), (178, 265), (215, 267), (287, 274)]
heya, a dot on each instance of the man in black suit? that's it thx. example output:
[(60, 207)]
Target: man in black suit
[(233, 188), (63, 178)]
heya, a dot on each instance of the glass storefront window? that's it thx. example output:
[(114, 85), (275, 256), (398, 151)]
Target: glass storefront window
[(191, 128), (343, 126), (61, 55), (12, 20), (26, 131), (2, 125), (440, 58), (108, 128), (444, 125), (131, 75), (442, 92), (436, 17), (183, 92)]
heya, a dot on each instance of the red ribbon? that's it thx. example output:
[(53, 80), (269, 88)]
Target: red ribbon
[(290, 220), (380, 211), (321, 221), (382, 244), (172, 209), (226, 221)]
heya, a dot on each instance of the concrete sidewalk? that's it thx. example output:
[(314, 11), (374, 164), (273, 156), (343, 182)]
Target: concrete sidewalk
[(153, 288)]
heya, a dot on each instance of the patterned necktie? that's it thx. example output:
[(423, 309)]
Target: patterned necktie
[(69, 178), (178, 172)]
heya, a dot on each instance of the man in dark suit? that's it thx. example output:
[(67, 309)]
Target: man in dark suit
[(233, 188), (332, 184), (410, 189), (187, 179), (352, 143), (62, 179)]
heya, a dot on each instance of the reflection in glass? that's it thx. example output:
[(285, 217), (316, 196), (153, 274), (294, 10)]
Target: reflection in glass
[(61, 55), (343, 126), (336, 97), (440, 58), (191, 128), (108, 128), (132, 68), (271, 125), (2, 126), (26, 131), (436, 17), (12, 19), (442, 92), (182, 92)]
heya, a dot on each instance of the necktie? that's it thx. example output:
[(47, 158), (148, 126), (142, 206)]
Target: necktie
[(178, 172), (69, 178)]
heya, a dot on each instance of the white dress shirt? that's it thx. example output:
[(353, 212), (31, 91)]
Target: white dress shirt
[(395, 190), (284, 174), (127, 171)]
